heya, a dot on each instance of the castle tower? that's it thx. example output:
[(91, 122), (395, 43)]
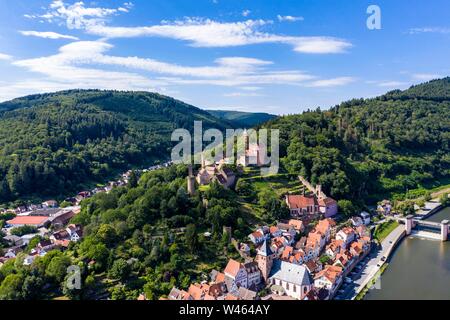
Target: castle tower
[(264, 259), (190, 181)]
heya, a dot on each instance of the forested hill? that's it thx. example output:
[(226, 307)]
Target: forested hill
[(369, 148), (242, 119), (52, 143)]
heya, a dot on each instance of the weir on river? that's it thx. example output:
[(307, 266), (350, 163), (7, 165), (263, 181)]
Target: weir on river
[(418, 268)]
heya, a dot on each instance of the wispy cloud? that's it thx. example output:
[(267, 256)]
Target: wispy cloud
[(289, 18), (243, 94), (442, 30), (389, 83), (426, 76), (4, 56), (334, 82), (77, 57), (47, 35), (198, 32)]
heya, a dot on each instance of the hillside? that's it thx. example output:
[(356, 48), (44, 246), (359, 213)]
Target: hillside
[(365, 149), (53, 143), (242, 119)]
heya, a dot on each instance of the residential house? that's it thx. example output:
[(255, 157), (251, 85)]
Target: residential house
[(200, 291), (257, 237), (335, 247), (75, 232), (297, 225), (366, 217), (235, 275), (326, 227), (356, 221), (329, 278), (344, 259), (316, 237), (50, 204), (253, 274), (346, 234), (177, 294), (247, 294), (287, 229), (313, 266), (328, 206), (12, 252), (290, 279), (275, 232), (13, 240)]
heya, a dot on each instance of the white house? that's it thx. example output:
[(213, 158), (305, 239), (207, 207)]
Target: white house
[(253, 274), (256, 237), (347, 235), (235, 275), (329, 278)]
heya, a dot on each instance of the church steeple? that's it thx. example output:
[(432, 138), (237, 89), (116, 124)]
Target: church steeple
[(264, 258)]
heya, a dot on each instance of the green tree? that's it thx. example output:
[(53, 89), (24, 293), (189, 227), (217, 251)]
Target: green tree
[(191, 237), (120, 270), (11, 287), (346, 207)]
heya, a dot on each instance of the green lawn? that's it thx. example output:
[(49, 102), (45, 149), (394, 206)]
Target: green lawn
[(384, 229)]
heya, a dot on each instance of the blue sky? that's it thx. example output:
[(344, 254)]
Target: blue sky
[(270, 56)]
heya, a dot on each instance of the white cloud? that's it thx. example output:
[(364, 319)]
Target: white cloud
[(334, 82), (242, 94), (82, 64), (425, 76), (47, 35), (441, 30), (77, 58), (246, 13), (289, 18), (4, 56), (77, 16), (197, 32)]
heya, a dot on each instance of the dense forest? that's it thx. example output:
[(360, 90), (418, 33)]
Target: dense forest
[(51, 144), (140, 238), (242, 119), (365, 149)]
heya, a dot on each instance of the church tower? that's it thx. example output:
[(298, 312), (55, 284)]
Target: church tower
[(264, 259)]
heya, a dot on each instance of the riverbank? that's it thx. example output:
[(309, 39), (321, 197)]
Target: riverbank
[(378, 262)]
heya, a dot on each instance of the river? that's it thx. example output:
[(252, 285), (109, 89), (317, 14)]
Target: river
[(418, 269)]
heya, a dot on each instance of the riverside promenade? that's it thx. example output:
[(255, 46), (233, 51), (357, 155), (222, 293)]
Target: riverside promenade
[(376, 259)]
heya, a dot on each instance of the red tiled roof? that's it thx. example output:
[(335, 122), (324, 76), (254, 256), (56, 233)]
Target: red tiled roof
[(300, 201), (327, 202), (28, 220), (232, 268), (297, 224), (330, 272)]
